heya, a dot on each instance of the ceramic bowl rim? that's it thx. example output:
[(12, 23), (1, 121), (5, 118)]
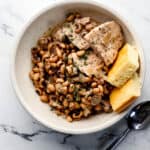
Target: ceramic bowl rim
[(18, 39)]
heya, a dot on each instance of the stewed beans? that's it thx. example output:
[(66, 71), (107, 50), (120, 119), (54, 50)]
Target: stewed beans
[(60, 82)]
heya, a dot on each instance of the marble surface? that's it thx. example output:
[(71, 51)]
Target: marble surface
[(17, 129)]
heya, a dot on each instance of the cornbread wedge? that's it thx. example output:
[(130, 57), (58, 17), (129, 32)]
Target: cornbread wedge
[(121, 98), (125, 66)]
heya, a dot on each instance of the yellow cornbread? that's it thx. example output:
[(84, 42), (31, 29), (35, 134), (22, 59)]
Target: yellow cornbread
[(124, 67), (121, 98)]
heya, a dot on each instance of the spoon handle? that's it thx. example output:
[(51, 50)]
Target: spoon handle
[(118, 140)]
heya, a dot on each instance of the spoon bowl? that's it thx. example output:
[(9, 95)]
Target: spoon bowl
[(139, 116)]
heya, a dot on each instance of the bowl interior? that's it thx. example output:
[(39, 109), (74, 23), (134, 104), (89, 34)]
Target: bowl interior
[(22, 65)]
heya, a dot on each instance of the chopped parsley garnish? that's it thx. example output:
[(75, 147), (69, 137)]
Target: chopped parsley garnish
[(77, 97), (76, 94), (84, 57), (71, 30), (85, 63), (67, 25), (71, 38), (69, 79), (66, 59)]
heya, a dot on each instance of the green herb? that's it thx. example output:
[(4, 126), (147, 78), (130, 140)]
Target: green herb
[(84, 57), (75, 91), (87, 52), (88, 93), (76, 94), (67, 25), (66, 59), (69, 79), (85, 63), (76, 66), (71, 38), (78, 97), (71, 30)]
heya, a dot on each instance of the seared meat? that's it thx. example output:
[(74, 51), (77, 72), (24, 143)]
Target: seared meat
[(106, 39), (76, 39), (90, 64)]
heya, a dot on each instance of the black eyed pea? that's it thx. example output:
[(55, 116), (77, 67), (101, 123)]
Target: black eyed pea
[(69, 69), (100, 88), (71, 88), (36, 76), (86, 79), (62, 45), (70, 17), (70, 61), (98, 108), (78, 28), (65, 103), (44, 98), (77, 115), (50, 88), (53, 59), (69, 97), (95, 90), (43, 41), (35, 69), (66, 83), (90, 26), (62, 69), (59, 63), (59, 80), (69, 118), (80, 53), (53, 65), (94, 84), (58, 52)]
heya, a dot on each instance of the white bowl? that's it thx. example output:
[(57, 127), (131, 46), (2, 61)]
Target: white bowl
[(21, 64)]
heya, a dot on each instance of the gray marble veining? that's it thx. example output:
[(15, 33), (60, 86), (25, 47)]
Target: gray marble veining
[(5, 28), (17, 129)]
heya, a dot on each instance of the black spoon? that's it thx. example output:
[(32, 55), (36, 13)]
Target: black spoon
[(137, 119)]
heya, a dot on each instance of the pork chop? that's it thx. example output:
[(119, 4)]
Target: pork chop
[(89, 65), (106, 39)]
